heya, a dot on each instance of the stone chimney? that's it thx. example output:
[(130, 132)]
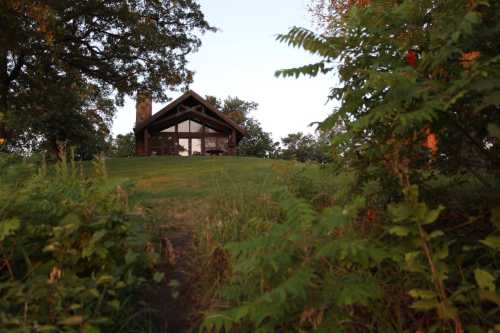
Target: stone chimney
[(143, 107)]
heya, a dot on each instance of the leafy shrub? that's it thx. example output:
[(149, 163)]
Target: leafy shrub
[(411, 240), (300, 275), (342, 269), (71, 258)]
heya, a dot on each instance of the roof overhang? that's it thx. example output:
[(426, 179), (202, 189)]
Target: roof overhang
[(156, 119)]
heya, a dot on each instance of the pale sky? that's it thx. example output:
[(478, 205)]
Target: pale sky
[(241, 58)]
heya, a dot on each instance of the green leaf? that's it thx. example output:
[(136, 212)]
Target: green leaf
[(399, 231), (442, 252), (91, 248), (489, 296), (131, 257), (493, 242), (105, 279), (412, 263), (174, 284), (400, 212), (425, 304), (158, 277), (114, 304), (88, 328), (45, 328), (72, 321), (432, 215), (446, 311), (494, 130), (436, 234), (8, 227), (422, 294), (484, 280)]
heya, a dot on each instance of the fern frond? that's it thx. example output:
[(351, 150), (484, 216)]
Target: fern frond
[(311, 70), (310, 41)]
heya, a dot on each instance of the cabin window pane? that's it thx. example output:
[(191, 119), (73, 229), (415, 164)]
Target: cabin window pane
[(210, 143), (222, 143), (169, 130), (195, 146), (184, 147), (195, 127), (183, 127), (209, 130)]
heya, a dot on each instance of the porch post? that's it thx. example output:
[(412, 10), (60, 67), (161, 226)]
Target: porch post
[(203, 139), (232, 143)]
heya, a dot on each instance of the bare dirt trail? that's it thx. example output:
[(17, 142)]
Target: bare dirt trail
[(174, 300)]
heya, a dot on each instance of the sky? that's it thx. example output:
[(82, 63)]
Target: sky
[(240, 60)]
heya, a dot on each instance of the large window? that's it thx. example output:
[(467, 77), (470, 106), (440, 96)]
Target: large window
[(195, 127), (189, 126), (216, 145), (210, 143), (169, 130), (184, 147), (183, 127), (195, 146)]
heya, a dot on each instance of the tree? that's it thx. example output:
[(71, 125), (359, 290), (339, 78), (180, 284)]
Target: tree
[(401, 88), (256, 142), (298, 146), (75, 57), (235, 108), (123, 145)]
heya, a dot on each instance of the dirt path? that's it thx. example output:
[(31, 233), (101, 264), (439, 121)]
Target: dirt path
[(174, 300)]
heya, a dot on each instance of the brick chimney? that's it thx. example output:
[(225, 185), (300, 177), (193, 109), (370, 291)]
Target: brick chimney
[(143, 107)]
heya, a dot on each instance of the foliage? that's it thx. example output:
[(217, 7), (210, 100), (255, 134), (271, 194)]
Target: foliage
[(256, 142), (71, 258), (306, 147), (123, 145), (296, 276), (391, 105), (410, 243), (61, 63), (235, 108)]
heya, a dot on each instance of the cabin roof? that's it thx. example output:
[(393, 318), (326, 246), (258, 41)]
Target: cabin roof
[(184, 97)]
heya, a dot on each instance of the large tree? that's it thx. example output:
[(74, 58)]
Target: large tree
[(234, 107), (123, 145), (62, 60), (306, 147), (412, 73), (256, 142)]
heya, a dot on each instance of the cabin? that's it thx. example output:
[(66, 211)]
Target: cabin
[(188, 126)]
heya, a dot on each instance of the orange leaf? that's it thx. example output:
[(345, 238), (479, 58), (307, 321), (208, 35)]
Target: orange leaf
[(469, 58), (431, 141)]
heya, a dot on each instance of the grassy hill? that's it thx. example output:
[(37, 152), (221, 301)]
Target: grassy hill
[(182, 199), (163, 177)]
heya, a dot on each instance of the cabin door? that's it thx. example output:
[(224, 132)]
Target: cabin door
[(195, 146)]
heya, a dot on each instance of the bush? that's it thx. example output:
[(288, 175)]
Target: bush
[(71, 257), (370, 262)]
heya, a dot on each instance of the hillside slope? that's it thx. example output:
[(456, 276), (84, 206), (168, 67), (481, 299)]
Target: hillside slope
[(176, 195)]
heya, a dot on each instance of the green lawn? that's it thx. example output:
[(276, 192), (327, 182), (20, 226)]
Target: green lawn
[(193, 177)]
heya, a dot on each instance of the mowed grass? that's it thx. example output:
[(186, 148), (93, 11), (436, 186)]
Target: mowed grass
[(163, 177)]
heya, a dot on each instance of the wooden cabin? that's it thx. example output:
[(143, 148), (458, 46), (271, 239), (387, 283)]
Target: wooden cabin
[(188, 126)]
